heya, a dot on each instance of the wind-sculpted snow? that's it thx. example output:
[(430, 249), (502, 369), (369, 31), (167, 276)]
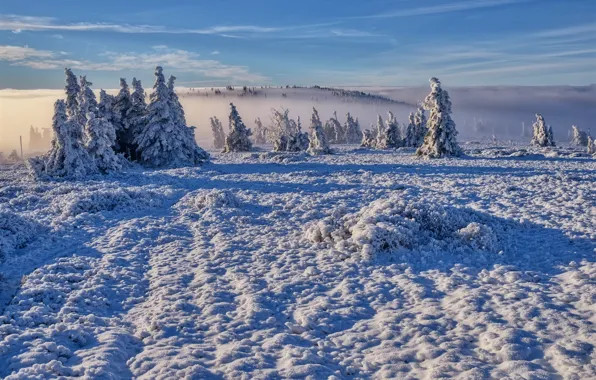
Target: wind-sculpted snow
[(15, 233), (391, 224), (477, 268)]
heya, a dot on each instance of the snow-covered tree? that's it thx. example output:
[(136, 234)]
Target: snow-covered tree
[(87, 100), (318, 140), (334, 127), (441, 138), (420, 124), (100, 136), (590, 146), (298, 140), (410, 136), (543, 135), (369, 139), (136, 118), (175, 106), (68, 156), (72, 90), (237, 139), (580, 138), (122, 105), (162, 142), (105, 108), (352, 130), (14, 156), (380, 132), (260, 132), (391, 138), (219, 136)]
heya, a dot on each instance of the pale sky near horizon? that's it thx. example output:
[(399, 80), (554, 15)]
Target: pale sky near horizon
[(269, 42)]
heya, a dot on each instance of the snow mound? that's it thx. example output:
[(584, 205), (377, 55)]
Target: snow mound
[(215, 199), (107, 199), (15, 232), (393, 224)]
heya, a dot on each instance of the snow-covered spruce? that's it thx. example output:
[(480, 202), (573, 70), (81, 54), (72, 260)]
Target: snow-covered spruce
[(261, 136), (318, 140), (72, 90), (100, 137), (579, 138), (410, 135), (420, 126), (543, 134), (219, 137), (105, 108), (334, 130), (136, 117), (393, 224), (352, 130), (237, 139), (161, 142), (87, 101), (122, 105), (68, 157), (369, 139), (441, 138), (298, 140), (590, 146), (380, 132), (391, 137)]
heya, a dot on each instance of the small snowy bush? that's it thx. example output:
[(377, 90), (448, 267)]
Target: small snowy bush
[(216, 199), (15, 232), (392, 224)]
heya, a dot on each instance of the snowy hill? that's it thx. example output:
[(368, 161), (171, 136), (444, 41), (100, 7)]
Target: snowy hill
[(362, 264)]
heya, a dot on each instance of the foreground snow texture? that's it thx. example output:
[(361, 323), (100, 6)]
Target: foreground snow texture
[(358, 265)]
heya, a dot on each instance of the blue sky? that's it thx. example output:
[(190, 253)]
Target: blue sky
[(267, 42)]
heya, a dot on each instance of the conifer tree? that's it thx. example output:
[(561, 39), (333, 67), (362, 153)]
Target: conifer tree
[(87, 100), (590, 146), (219, 137), (542, 133), (440, 140), (318, 140), (368, 138), (14, 156), (380, 132), (100, 136), (72, 90), (238, 138), (580, 138), (105, 108), (352, 130), (420, 124), (410, 137), (391, 138)]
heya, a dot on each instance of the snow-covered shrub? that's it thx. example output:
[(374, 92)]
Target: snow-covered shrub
[(543, 134), (580, 138), (15, 233), (238, 139), (318, 140), (440, 140), (393, 224), (215, 199), (369, 139)]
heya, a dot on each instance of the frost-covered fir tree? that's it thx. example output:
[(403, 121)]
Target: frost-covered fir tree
[(175, 106), (380, 132), (542, 135), (162, 142), (352, 130), (282, 129), (260, 132), (14, 156), (100, 136), (72, 90), (441, 138), (420, 124), (122, 105), (237, 139), (318, 140), (369, 139), (391, 138), (105, 108), (410, 136), (579, 138), (590, 146), (87, 100), (298, 140), (219, 137), (136, 117), (68, 157), (339, 135)]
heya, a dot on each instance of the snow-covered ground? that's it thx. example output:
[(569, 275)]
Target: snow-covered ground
[(363, 264)]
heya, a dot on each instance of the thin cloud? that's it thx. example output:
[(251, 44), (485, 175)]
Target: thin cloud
[(445, 8), (18, 53)]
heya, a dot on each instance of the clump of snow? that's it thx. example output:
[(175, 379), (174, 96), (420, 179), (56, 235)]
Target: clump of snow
[(15, 232), (392, 224), (215, 199)]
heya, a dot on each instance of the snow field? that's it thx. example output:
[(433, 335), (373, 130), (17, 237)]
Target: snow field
[(361, 264)]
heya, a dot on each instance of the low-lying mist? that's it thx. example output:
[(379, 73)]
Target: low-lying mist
[(479, 112)]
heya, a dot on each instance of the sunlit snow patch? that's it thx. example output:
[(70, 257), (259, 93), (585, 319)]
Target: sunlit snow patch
[(393, 224)]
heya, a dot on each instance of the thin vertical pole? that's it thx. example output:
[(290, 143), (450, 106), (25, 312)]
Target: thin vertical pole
[(21, 138)]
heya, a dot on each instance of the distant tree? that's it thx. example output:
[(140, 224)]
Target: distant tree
[(352, 130), (391, 138), (380, 132), (219, 137), (420, 124), (368, 139), (318, 140), (410, 136), (580, 138), (237, 139), (260, 132), (441, 138), (590, 146), (163, 141), (68, 157), (100, 136), (339, 134), (14, 156), (298, 140), (542, 135)]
